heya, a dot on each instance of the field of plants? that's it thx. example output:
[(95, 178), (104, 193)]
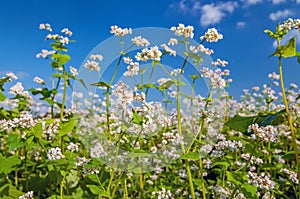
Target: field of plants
[(151, 138)]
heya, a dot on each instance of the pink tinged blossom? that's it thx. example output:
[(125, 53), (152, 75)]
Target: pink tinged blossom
[(45, 26), (172, 42), (127, 60), (73, 71), (11, 76), (96, 57), (132, 70), (202, 49), (168, 50), (55, 154), (64, 40), (28, 195), (17, 89), (139, 41), (66, 31), (45, 53), (39, 80), (92, 65), (219, 62), (181, 29), (212, 35), (117, 31)]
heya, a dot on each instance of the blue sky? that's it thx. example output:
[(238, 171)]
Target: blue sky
[(245, 46)]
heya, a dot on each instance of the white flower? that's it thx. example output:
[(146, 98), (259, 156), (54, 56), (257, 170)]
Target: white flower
[(172, 42), (45, 53), (149, 54), (28, 195), (81, 161), (139, 41), (67, 32), (73, 147), (182, 30), (211, 35), (169, 50), (45, 27), (55, 154), (132, 69), (52, 36), (11, 76), (202, 49), (73, 71), (92, 65), (176, 72), (64, 40), (17, 89), (219, 62), (127, 60), (117, 31), (39, 80), (96, 56)]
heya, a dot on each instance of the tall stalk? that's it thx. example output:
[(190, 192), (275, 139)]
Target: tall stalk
[(289, 117)]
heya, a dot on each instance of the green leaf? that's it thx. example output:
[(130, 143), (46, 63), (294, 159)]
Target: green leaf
[(101, 84), (166, 85), (191, 156), (136, 118), (7, 164), (2, 97), (97, 190), (289, 155), (249, 191), (287, 50), (57, 46), (37, 130), (66, 128), (224, 164), (61, 59), (232, 177), (270, 33)]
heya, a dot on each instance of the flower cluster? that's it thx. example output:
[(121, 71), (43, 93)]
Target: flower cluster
[(117, 31), (181, 29), (212, 35), (39, 80), (202, 49), (28, 195), (149, 54), (266, 133), (293, 176), (290, 24), (139, 41), (219, 62), (92, 65), (215, 77), (163, 194), (45, 53), (55, 154), (261, 181)]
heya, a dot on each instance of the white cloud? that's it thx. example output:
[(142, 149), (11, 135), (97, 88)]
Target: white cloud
[(252, 2), (240, 24), (275, 16), (297, 1), (214, 13), (278, 1)]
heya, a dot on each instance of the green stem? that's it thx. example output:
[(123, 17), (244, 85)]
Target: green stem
[(290, 121)]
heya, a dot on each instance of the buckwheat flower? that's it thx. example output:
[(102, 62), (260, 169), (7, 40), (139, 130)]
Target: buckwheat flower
[(73, 147), (293, 176), (176, 72), (139, 41), (81, 161), (132, 70), (67, 32), (52, 36), (290, 24), (97, 151), (220, 62), (274, 76), (39, 80), (45, 26), (202, 49), (168, 50), (45, 53), (73, 71), (193, 49), (96, 57), (163, 194), (261, 181), (11, 76), (92, 65), (155, 53), (153, 149), (181, 29), (127, 60), (117, 31), (55, 154), (28, 195), (17, 89), (172, 42), (64, 40), (265, 133), (211, 35)]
